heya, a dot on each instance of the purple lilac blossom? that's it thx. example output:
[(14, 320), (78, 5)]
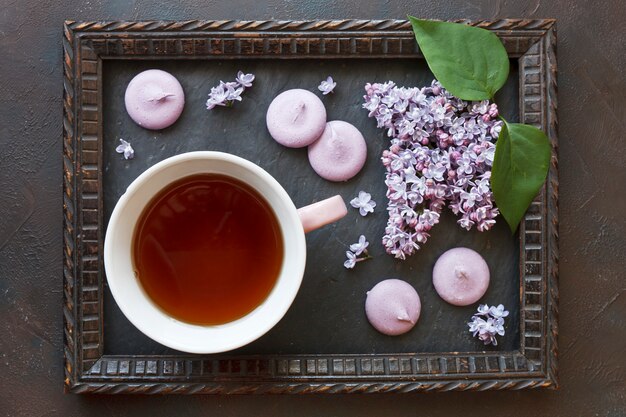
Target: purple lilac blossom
[(225, 94), (440, 154), (488, 322)]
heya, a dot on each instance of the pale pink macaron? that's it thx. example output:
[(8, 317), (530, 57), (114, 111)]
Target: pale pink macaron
[(393, 307), (154, 99), (296, 118), (461, 276), (340, 153)]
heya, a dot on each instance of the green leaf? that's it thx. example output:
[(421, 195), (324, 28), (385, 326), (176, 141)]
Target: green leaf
[(519, 169), (470, 62)]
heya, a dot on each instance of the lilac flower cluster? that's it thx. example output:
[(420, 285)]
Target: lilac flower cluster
[(441, 153), (488, 322), (225, 94)]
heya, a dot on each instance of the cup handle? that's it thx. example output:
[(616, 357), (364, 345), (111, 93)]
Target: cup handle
[(322, 213)]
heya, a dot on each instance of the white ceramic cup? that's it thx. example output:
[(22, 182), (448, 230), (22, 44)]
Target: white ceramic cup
[(154, 322)]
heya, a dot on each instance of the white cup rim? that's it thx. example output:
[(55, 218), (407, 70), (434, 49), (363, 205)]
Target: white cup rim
[(137, 306)]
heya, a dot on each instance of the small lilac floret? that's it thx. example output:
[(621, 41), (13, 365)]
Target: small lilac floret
[(327, 86), (364, 203), (125, 149)]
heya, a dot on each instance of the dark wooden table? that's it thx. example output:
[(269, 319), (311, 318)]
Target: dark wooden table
[(592, 115)]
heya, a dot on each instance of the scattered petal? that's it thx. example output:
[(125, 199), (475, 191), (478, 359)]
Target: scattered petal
[(483, 309), (245, 79), (126, 149), (351, 261), (360, 247), (327, 86), (364, 203), (233, 93), (498, 312)]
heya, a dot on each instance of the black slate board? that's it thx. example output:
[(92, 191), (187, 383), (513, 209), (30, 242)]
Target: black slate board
[(328, 313)]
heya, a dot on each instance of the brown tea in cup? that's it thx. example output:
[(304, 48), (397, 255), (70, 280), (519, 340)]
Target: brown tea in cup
[(207, 249)]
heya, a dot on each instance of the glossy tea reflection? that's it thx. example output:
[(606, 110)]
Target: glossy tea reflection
[(208, 249)]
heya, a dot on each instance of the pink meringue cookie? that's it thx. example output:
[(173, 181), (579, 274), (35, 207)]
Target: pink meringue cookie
[(340, 153), (154, 99), (393, 307), (296, 118), (461, 276)]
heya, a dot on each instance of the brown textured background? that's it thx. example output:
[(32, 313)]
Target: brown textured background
[(592, 114)]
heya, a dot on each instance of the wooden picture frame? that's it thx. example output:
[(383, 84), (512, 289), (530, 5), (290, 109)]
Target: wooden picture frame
[(89, 370)]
